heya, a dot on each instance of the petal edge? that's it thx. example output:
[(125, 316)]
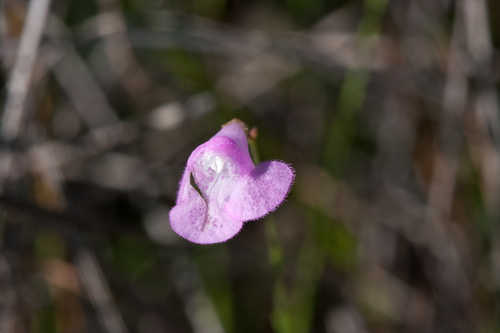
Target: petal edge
[(261, 192)]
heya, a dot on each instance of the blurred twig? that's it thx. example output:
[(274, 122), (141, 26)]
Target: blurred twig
[(198, 307), (451, 125), (96, 287), (451, 280), (21, 73), (485, 105), (124, 67), (334, 50), (8, 297), (75, 78)]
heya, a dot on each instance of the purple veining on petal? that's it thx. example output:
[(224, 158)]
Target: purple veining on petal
[(232, 189)]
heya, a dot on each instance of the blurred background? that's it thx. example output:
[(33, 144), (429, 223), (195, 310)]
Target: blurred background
[(388, 110)]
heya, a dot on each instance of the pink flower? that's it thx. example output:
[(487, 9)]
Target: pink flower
[(221, 188)]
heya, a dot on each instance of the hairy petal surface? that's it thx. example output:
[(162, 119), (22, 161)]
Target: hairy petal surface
[(261, 191)]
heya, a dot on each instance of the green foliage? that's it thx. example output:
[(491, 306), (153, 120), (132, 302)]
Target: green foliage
[(294, 304), (45, 320), (187, 70), (49, 245), (209, 8), (375, 9), (134, 257), (183, 70), (329, 242), (306, 11), (343, 131), (213, 264), (78, 11), (334, 241)]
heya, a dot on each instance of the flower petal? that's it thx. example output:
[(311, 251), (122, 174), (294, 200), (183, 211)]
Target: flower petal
[(200, 224), (221, 188), (187, 218), (261, 192), (236, 131), (198, 220)]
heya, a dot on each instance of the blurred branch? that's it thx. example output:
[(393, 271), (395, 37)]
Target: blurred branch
[(451, 278), (477, 30), (333, 51), (398, 209), (451, 125), (4, 40), (124, 67), (83, 225), (76, 79), (479, 45), (8, 297), (198, 306), (96, 287), (20, 76)]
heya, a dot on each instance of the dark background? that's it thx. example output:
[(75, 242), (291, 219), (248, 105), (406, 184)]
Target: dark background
[(388, 111)]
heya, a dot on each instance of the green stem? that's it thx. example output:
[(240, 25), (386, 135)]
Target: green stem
[(254, 151)]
